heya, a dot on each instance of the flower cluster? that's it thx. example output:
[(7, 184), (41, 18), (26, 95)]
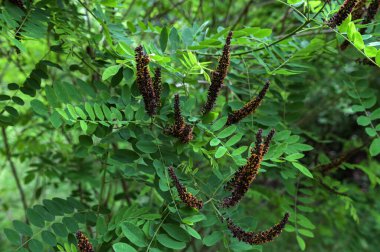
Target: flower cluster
[(244, 176), (179, 129), (342, 13), (83, 243), (248, 108), (260, 237), (144, 81), (157, 86), (218, 76), (185, 196)]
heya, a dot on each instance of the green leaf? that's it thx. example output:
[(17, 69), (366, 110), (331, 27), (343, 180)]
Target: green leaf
[(22, 228), (110, 71), (55, 119), (305, 232), (107, 112), (13, 86), (305, 222), (174, 230), (351, 31), (219, 124), (302, 169), (370, 51), (49, 238), (262, 33), (168, 242), (12, 236), (89, 111), (234, 139), (164, 39), (377, 59), (174, 39), (98, 112), (12, 111), (358, 40), (294, 156), (191, 231), (35, 245), (370, 131), (101, 225), (35, 218), (220, 152), (72, 111), (81, 113), (358, 108), (213, 238), (374, 149), (70, 224), (193, 219), (123, 247), (214, 142), (39, 108), (83, 126), (4, 97), (134, 234), (301, 243), (375, 114), (18, 100), (363, 120), (59, 229), (146, 145), (227, 132)]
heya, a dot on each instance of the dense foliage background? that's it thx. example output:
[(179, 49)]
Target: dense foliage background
[(79, 152)]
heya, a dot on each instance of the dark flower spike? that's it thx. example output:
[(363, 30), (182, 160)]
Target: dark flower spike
[(144, 81), (186, 197), (18, 3), (83, 243), (218, 76), (260, 237), (268, 139), (244, 176), (342, 13), (359, 9), (157, 85), (248, 108), (180, 129), (371, 11)]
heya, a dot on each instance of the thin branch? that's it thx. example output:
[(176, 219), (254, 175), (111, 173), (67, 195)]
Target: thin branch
[(13, 169)]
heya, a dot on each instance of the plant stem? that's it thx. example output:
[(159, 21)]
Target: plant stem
[(13, 169)]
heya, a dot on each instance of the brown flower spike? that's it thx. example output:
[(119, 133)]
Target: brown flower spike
[(260, 237), (185, 196), (371, 11), (144, 81), (83, 243), (244, 176), (157, 86), (218, 76), (248, 108), (342, 13), (180, 129)]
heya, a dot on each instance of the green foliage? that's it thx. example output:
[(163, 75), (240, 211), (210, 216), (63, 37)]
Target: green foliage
[(79, 151)]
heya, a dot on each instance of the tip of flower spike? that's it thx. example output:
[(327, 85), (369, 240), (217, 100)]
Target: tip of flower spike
[(229, 36)]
